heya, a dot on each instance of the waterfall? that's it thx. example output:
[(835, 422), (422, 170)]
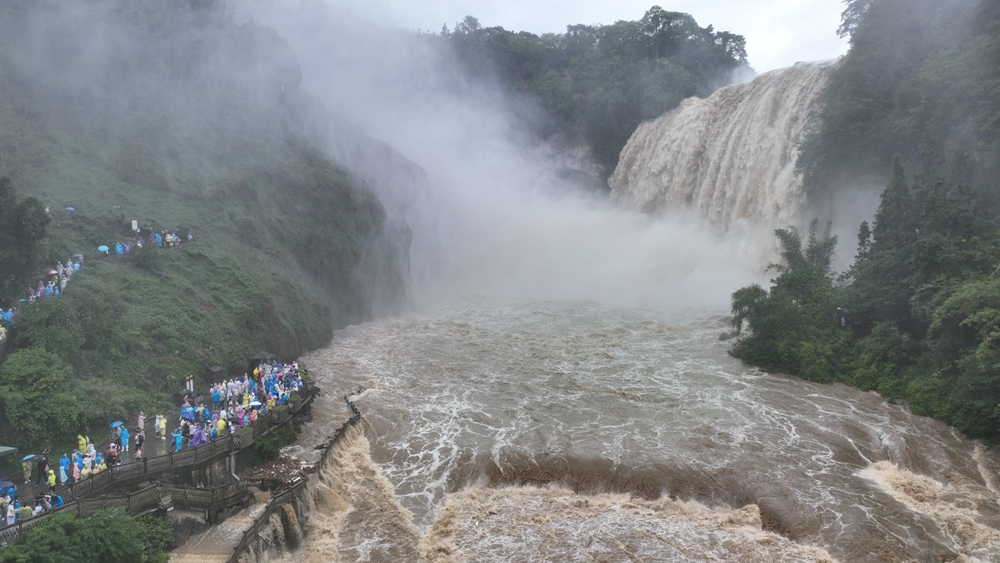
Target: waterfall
[(730, 156)]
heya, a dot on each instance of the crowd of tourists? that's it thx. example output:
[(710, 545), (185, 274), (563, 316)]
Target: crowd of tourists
[(158, 239), (51, 284), (15, 510), (235, 404)]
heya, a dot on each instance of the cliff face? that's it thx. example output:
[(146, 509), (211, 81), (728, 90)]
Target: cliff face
[(731, 156)]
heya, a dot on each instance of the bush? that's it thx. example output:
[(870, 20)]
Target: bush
[(267, 447), (106, 536)]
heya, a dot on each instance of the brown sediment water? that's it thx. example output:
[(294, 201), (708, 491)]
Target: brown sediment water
[(557, 524), (573, 431), (355, 516)]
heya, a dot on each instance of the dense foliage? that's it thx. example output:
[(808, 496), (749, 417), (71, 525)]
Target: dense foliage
[(596, 83), (917, 316), (919, 81), (106, 536), (175, 114), (22, 229)]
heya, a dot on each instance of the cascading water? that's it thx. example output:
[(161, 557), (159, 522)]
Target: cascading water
[(731, 156)]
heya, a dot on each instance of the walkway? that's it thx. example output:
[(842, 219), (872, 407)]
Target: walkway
[(86, 495)]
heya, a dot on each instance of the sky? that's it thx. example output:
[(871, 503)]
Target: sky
[(779, 33)]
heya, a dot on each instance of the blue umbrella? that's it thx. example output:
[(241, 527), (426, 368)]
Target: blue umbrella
[(27, 457), (116, 424), (70, 209), (102, 248)]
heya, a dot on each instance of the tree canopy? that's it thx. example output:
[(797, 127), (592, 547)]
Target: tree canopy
[(106, 536), (596, 83)]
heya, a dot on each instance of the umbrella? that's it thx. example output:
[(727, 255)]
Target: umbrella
[(102, 248), (263, 356), (51, 271), (78, 256), (27, 457), (116, 424), (254, 403), (6, 485), (70, 209)]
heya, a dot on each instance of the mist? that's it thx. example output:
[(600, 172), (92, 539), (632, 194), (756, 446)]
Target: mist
[(495, 219)]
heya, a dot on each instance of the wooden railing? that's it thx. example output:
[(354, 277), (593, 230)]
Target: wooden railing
[(252, 533)]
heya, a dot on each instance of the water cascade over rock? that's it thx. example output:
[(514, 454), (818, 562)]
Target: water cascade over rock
[(730, 156)]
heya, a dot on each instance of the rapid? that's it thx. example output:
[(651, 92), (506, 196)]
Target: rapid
[(576, 431)]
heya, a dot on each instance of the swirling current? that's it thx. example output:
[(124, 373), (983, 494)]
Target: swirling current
[(575, 431)]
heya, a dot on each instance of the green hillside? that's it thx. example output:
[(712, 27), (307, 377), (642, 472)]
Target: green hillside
[(178, 115)]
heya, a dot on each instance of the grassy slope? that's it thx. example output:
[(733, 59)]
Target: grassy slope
[(279, 228)]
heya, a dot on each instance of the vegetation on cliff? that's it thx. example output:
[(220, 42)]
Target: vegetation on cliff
[(917, 316), (176, 115), (594, 84)]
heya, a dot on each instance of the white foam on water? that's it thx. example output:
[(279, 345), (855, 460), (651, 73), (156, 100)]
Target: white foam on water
[(611, 401)]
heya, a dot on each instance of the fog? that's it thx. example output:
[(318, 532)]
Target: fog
[(495, 220)]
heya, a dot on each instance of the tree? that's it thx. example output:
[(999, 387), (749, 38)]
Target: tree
[(793, 327), (37, 398), (852, 16), (106, 536), (22, 229)]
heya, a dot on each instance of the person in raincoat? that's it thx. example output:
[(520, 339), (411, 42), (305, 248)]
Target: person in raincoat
[(196, 436), (125, 438), (11, 514), (142, 420), (26, 470), (81, 443), (163, 427), (52, 479), (64, 471), (101, 466), (178, 439)]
